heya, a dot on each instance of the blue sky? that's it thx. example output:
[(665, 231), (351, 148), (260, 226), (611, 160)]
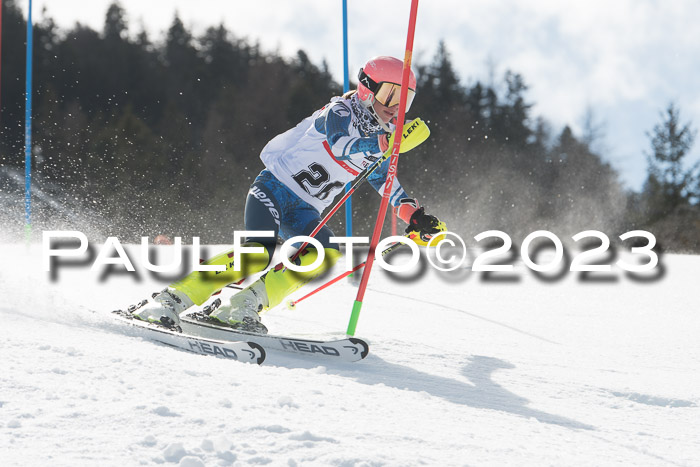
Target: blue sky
[(625, 59)]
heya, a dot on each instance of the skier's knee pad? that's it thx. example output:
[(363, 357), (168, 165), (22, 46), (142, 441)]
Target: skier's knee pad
[(200, 285), (281, 281)]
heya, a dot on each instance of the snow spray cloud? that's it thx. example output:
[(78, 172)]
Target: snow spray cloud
[(642, 251)]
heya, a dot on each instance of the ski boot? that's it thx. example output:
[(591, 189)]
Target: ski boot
[(164, 308), (267, 292), (242, 311)]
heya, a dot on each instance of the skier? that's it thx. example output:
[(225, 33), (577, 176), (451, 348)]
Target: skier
[(305, 168)]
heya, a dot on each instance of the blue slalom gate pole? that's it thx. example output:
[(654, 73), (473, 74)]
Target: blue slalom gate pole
[(346, 88), (28, 132)]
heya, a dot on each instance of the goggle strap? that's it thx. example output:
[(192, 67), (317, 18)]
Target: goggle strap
[(368, 82)]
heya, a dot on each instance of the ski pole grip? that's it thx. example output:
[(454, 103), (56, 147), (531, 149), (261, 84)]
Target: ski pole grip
[(414, 133)]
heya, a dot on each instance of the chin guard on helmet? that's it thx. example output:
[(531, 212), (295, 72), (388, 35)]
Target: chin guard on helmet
[(367, 104)]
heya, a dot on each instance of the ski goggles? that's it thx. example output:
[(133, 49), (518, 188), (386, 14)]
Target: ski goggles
[(385, 92), (389, 95)]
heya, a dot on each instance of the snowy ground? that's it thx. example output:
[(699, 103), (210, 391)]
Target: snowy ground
[(460, 372)]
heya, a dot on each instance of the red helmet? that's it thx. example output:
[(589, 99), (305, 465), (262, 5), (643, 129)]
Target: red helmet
[(380, 81)]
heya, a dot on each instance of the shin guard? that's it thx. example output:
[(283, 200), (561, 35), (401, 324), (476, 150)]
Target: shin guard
[(200, 285), (280, 282)]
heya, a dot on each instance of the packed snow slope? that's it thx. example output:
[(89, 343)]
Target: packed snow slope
[(464, 369)]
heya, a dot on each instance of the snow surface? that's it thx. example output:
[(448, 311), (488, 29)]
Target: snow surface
[(461, 371)]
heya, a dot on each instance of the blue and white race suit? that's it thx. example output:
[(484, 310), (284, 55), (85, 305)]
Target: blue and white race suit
[(308, 165)]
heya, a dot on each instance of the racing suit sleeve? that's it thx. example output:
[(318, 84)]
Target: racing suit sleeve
[(344, 146), (377, 180)]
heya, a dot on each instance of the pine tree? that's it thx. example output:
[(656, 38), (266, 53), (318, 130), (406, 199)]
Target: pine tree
[(670, 185)]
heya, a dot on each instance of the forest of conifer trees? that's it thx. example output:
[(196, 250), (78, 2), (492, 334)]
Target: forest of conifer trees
[(164, 137)]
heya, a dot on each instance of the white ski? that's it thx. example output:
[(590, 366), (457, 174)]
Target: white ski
[(235, 349), (350, 349)]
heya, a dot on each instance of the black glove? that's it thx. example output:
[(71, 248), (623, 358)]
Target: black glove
[(425, 224)]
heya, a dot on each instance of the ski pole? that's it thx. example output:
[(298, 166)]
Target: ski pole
[(363, 176), (292, 303), (419, 132), (391, 174)]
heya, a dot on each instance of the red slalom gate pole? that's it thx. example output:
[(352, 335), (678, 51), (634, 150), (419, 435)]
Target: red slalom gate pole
[(391, 175)]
